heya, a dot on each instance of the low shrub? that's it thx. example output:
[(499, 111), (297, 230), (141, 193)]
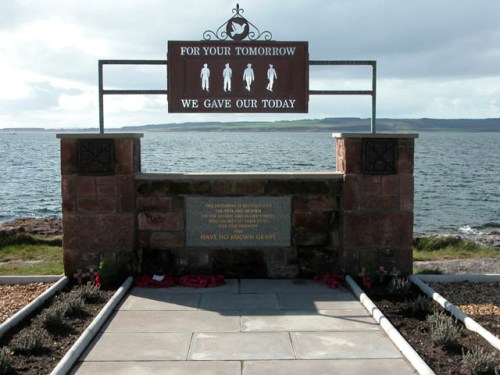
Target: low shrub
[(89, 293), (52, 318), (5, 361), (444, 331), (72, 305), (28, 341), (479, 361), (420, 307), (399, 286)]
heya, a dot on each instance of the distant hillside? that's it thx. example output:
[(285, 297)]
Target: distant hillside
[(344, 124)]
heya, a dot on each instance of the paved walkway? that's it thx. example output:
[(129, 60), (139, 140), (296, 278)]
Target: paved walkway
[(245, 327)]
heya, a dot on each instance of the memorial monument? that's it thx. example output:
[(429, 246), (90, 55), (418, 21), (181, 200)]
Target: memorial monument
[(270, 225)]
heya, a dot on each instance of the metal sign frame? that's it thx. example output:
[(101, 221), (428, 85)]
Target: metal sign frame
[(372, 92)]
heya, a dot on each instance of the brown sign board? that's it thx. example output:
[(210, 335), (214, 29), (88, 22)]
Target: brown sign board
[(220, 76)]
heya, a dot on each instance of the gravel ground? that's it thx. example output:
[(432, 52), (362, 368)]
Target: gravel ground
[(14, 297)]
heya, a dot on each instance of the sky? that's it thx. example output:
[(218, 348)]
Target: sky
[(435, 58)]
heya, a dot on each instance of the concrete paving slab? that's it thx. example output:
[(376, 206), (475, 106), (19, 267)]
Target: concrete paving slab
[(282, 286), (139, 347), (343, 345), (241, 346), (156, 299), (174, 321), (292, 320), (318, 301), (220, 302), (328, 367), (229, 286), (159, 368)]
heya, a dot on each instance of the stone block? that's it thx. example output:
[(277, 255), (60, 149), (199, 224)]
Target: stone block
[(299, 203), (370, 183), (286, 187), (378, 229), (307, 238), (108, 232), (390, 184), (124, 156), (127, 194), (199, 187), (85, 187), (69, 159), (350, 193), (379, 202), (166, 240), (234, 263), (315, 221), (353, 155), (323, 203), (405, 159), (154, 203), (249, 187), (67, 192), (157, 221), (96, 204), (407, 192), (106, 186), (70, 260)]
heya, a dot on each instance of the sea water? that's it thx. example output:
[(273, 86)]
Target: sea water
[(457, 175)]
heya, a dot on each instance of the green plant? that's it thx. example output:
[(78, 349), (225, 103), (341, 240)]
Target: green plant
[(479, 361), (89, 293), (448, 247), (5, 361), (444, 331), (28, 341), (52, 318), (108, 271), (420, 306), (399, 286), (72, 305)]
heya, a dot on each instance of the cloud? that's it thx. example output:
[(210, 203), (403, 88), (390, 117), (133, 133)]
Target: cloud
[(434, 59)]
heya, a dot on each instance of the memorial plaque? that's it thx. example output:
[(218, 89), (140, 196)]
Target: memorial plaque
[(238, 221), (233, 77)]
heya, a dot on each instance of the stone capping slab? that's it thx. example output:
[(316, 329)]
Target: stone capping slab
[(469, 323), (375, 135), (98, 135), (240, 176), (36, 303), (72, 355), (411, 355)]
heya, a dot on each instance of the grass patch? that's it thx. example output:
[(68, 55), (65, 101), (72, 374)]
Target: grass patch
[(441, 248), (31, 259)]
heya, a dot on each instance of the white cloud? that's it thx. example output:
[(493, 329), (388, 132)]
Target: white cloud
[(435, 59)]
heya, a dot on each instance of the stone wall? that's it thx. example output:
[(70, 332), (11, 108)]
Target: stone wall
[(315, 235), (360, 217)]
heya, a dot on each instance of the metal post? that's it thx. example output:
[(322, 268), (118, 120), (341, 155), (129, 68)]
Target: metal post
[(374, 97), (101, 99)]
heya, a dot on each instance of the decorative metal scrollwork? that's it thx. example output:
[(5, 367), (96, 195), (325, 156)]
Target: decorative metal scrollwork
[(96, 157), (237, 28), (379, 156)]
